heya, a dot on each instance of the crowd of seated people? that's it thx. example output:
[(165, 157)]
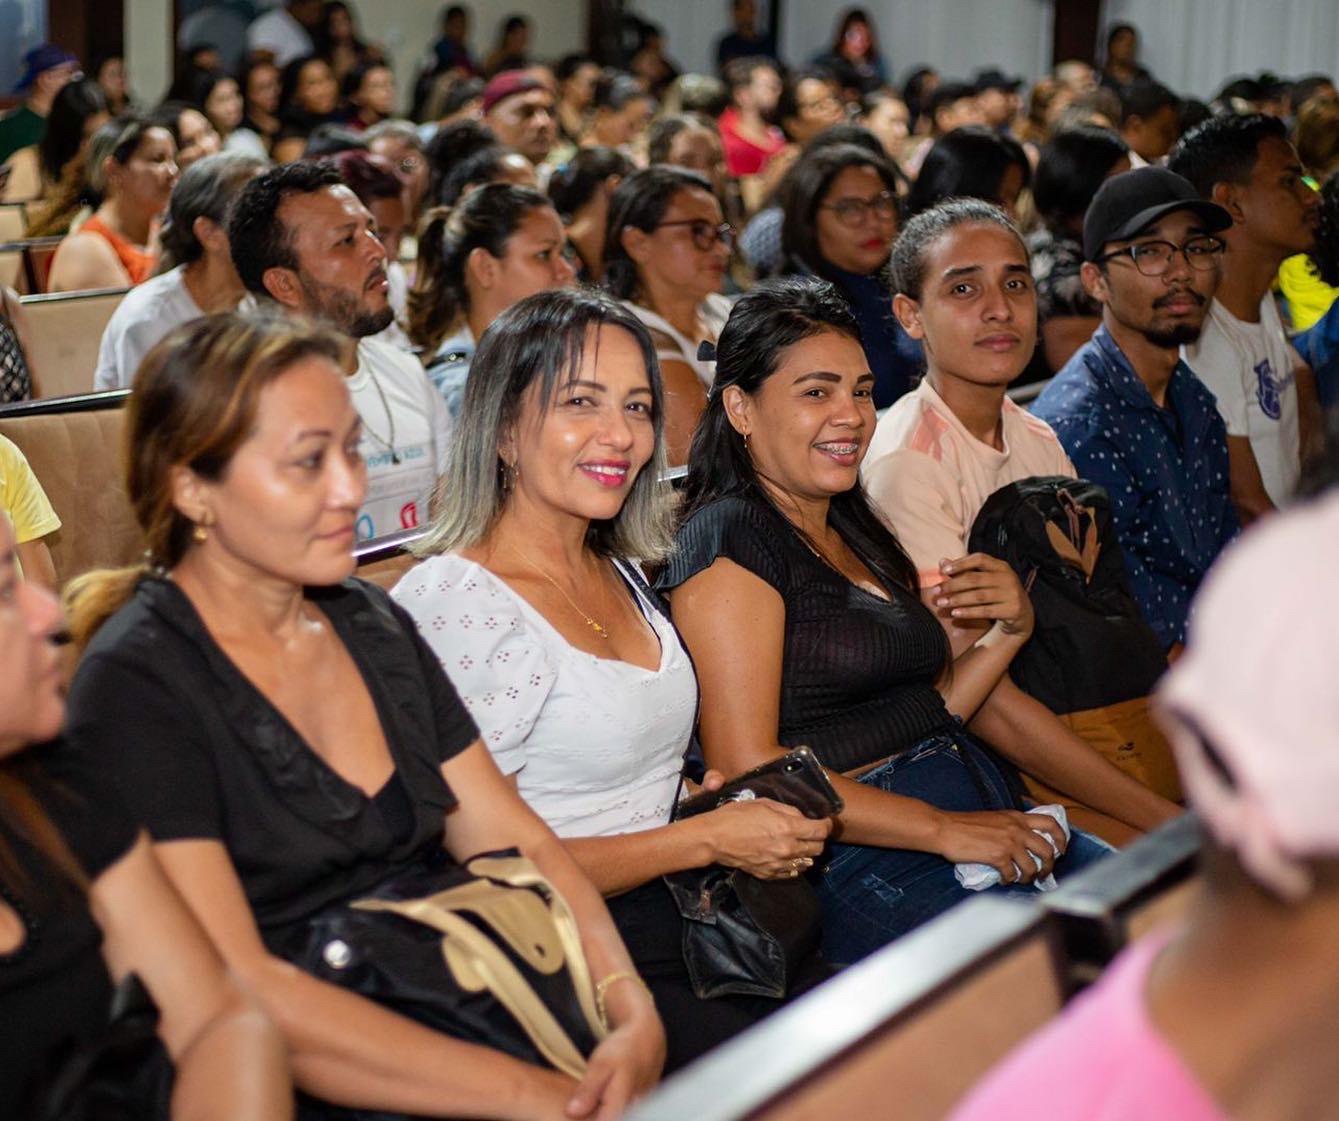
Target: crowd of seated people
[(499, 327)]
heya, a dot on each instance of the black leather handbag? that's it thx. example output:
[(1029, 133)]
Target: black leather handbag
[(742, 935), (486, 952)]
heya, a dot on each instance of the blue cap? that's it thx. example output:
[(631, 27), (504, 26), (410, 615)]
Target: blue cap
[(45, 56)]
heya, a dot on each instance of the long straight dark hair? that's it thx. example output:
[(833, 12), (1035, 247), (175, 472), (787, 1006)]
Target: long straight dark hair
[(763, 324)]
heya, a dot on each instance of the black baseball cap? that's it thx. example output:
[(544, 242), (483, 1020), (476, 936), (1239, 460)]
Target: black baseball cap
[(1127, 204), (995, 79)]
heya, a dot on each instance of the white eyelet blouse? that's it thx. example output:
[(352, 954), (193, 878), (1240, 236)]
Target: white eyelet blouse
[(595, 744)]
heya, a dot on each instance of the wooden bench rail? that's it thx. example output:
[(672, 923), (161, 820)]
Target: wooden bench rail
[(1106, 906), (816, 1042)]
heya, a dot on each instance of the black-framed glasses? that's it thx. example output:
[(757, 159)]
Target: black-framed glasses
[(705, 234), (855, 212), (1153, 258)]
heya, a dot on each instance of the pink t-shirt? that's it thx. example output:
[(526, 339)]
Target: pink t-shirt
[(930, 476), (1101, 1059)]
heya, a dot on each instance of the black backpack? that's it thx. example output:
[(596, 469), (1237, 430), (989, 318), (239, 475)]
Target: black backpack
[(1092, 659)]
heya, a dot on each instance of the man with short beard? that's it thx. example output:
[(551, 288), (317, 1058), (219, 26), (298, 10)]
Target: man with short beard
[(1130, 413), (301, 239)]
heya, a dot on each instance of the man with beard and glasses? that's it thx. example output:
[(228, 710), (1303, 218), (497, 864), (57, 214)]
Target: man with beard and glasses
[(1127, 408), (1266, 393), (301, 239)]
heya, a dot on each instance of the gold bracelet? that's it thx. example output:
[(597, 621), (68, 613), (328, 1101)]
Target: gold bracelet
[(602, 990)]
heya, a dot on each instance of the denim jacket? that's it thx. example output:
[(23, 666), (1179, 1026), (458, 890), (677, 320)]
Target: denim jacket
[(1168, 488)]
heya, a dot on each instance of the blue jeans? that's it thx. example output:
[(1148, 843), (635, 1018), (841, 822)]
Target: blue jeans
[(871, 895)]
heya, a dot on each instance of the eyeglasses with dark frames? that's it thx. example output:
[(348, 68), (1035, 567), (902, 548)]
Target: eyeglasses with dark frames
[(855, 212), (1154, 258), (705, 234)]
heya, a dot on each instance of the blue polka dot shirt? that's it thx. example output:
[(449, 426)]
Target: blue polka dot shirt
[(1164, 468)]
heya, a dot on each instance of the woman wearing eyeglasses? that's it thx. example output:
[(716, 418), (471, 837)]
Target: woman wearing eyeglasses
[(840, 219), (667, 246)]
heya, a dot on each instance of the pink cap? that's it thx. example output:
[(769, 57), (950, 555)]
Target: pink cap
[(508, 84), (1258, 682)]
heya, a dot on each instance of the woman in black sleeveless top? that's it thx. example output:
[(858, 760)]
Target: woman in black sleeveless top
[(799, 608)]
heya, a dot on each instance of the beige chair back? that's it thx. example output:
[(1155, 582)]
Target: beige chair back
[(13, 221), (25, 176), (67, 330), (11, 266), (901, 1036), (77, 457)]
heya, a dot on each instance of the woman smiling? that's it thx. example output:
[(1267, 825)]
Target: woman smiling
[(802, 614), (531, 599)]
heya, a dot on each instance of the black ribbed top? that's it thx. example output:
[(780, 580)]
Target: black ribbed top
[(858, 672)]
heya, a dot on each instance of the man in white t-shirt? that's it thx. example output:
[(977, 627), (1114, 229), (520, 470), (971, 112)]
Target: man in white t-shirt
[(285, 33), (302, 239), (1266, 393)]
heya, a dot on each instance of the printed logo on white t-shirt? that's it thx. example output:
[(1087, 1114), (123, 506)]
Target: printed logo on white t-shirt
[(1269, 389)]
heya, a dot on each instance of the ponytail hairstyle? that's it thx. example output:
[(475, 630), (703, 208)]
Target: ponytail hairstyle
[(484, 165), (117, 140), (194, 404), (205, 190), (486, 219), (764, 323), (573, 184)]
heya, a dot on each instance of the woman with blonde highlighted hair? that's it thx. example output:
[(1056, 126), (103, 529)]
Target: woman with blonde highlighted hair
[(290, 741), (530, 595)]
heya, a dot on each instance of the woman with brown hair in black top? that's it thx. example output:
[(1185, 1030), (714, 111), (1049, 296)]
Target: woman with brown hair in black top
[(289, 740), (84, 903), (800, 609)]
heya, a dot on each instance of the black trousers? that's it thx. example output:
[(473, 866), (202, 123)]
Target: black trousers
[(652, 930)]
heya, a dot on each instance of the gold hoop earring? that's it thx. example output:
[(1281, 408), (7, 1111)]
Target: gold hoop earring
[(199, 534)]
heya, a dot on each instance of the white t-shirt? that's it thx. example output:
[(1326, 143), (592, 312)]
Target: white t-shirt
[(1252, 369), (595, 744), (712, 312), (406, 433), (279, 33), (397, 281), (146, 313), (930, 476)]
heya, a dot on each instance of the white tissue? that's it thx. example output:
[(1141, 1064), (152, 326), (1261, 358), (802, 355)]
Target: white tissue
[(978, 877)]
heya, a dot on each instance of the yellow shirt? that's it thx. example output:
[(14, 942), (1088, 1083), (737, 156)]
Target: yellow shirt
[(1308, 296), (22, 497)]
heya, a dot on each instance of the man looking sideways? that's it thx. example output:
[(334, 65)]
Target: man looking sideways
[(1129, 411), (300, 238), (1266, 393)]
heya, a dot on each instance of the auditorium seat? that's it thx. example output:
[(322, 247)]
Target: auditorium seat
[(1150, 882), (66, 331), (11, 265), (13, 221), (25, 262), (25, 176), (74, 448), (901, 1036)]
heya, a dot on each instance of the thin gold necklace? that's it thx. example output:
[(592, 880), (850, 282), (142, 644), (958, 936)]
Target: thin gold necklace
[(598, 628)]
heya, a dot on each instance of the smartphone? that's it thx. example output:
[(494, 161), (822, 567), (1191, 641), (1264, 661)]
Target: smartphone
[(796, 778)]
